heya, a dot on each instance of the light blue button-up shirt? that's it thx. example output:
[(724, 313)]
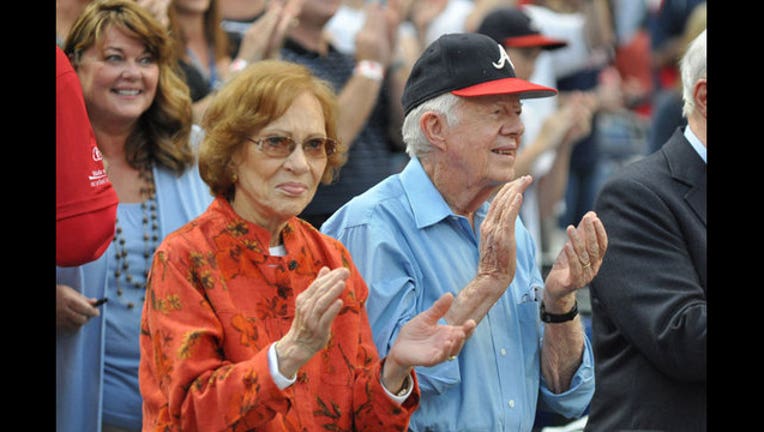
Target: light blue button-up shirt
[(695, 143), (411, 249)]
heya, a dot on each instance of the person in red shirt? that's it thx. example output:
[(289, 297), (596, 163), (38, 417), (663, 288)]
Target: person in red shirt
[(255, 320), (86, 203)]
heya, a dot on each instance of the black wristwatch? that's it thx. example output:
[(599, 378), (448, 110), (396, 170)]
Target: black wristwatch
[(558, 318)]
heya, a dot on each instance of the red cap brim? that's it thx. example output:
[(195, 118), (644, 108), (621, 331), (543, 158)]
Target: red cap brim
[(525, 89), (534, 40)]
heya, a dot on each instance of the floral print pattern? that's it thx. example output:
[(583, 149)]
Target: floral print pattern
[(218, 300)]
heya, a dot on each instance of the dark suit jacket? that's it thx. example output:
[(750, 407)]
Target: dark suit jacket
[(649, 297)]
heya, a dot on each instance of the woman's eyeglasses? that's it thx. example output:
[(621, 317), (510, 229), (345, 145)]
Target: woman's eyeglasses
[(282, 146)]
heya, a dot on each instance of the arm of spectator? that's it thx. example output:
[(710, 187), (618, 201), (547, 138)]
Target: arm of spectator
[(549, 138), (578, 114), (359, 96), (404, 53), (498, 253), (576, 265), (407, 50), (157, 8), (86, 201), (278, 18), (422, 13), (598, 25), (84, 237), (264, 37)]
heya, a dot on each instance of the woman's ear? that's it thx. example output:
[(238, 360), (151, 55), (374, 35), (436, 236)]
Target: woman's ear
[(233, 164)]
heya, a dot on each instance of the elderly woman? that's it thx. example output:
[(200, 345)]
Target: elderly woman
[(256, 320), (140, 111)]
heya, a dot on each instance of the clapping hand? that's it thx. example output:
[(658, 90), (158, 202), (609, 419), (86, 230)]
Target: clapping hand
[(264, 37), (580, 258), (498, 250), (424, 342), (315, 310)]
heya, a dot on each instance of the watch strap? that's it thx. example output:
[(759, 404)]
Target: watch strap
[(558, 318)]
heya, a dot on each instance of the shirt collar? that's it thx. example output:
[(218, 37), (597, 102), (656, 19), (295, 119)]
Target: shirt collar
[(695, 143), (253, 236), (425, 199)]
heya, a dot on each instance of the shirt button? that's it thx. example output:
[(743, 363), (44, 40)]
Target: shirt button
[(503, 352), (511, 403)]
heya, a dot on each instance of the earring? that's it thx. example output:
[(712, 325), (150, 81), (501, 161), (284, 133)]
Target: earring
[(234, 178)]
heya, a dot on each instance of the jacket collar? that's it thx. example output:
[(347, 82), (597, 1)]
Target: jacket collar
[(687, 167)]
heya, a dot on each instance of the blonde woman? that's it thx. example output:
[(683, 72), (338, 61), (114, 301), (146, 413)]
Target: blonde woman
[(140, 111)]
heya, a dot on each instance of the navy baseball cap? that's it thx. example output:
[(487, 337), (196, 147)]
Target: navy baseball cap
[(467, 65), (514, 28)]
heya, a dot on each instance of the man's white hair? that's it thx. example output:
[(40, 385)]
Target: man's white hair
[(693, 68), (416, 142)]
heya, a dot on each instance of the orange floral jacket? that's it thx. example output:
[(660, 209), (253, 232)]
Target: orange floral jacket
[(216, 300)]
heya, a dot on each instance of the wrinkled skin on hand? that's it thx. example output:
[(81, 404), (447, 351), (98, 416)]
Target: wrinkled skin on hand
[(587, 244)]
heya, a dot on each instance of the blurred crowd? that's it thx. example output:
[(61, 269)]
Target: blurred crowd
[(623, 54)]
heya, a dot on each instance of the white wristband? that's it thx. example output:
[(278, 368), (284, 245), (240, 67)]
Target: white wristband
[(370, 69), (238, 65)]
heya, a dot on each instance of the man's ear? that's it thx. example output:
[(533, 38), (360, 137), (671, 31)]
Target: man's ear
[(700, 92), (434, 127)]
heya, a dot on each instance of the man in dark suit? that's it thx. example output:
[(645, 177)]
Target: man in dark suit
[(649, 298)]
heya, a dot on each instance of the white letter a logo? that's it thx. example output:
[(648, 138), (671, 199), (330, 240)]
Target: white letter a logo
[(504, 58)]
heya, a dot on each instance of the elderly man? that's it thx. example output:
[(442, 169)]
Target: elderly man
[(649, 301), (448, 223)]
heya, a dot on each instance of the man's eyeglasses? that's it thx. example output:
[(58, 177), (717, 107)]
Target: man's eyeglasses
[(282, 146)]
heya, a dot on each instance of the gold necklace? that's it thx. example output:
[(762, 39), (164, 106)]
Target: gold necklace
[(150, 236)]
